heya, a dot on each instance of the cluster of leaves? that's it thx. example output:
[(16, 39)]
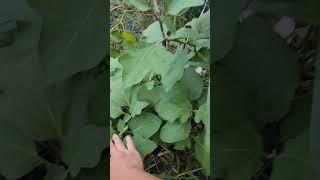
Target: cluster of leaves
[(156, 93), (52, 81), (256, 75)]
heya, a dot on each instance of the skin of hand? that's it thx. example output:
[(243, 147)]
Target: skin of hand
[(125, 162)]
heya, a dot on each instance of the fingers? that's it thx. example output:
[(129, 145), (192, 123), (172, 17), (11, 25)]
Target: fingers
[(112, 148), (130, 144), (118, 143)]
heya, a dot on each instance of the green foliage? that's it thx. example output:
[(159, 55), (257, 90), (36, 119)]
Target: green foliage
[(155, 88), (52, 72), (255, 89)]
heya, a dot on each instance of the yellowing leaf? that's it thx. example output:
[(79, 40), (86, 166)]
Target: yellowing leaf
[(129, 36)]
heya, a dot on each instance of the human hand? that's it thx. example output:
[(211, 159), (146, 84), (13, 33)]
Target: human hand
[(126, 163)]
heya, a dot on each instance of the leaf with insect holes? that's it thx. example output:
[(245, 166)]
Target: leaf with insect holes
[(175, 6), (145, 124), (142, 62), (175, 132)]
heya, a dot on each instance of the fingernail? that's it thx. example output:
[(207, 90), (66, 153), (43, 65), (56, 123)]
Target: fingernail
[(128, 137)]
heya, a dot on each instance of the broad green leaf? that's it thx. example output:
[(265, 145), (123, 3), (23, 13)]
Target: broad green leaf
[(225, 25), (176, 70), (185, 33), (18, 153), (145, 124), (202, 145), (202, 148), (24, 102), (202, 25), (142, 62), (124, 97), (172, 107), (294, 162), (135, 105), (82, 149), (236, 153), (117, 98), (191, 83), (268, 93), (72, 39), (154, 33), (175, 132), (80, 90), (23, 97), (199, 32), (175, 6), (141, 5), (152, 96), (201, 114), (181, 145), (169, 22), (144, 146)]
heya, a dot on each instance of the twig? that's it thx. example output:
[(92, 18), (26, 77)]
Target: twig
[(156, 4), (120, 22), (114, 8), (204, 7), (192, 171)]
